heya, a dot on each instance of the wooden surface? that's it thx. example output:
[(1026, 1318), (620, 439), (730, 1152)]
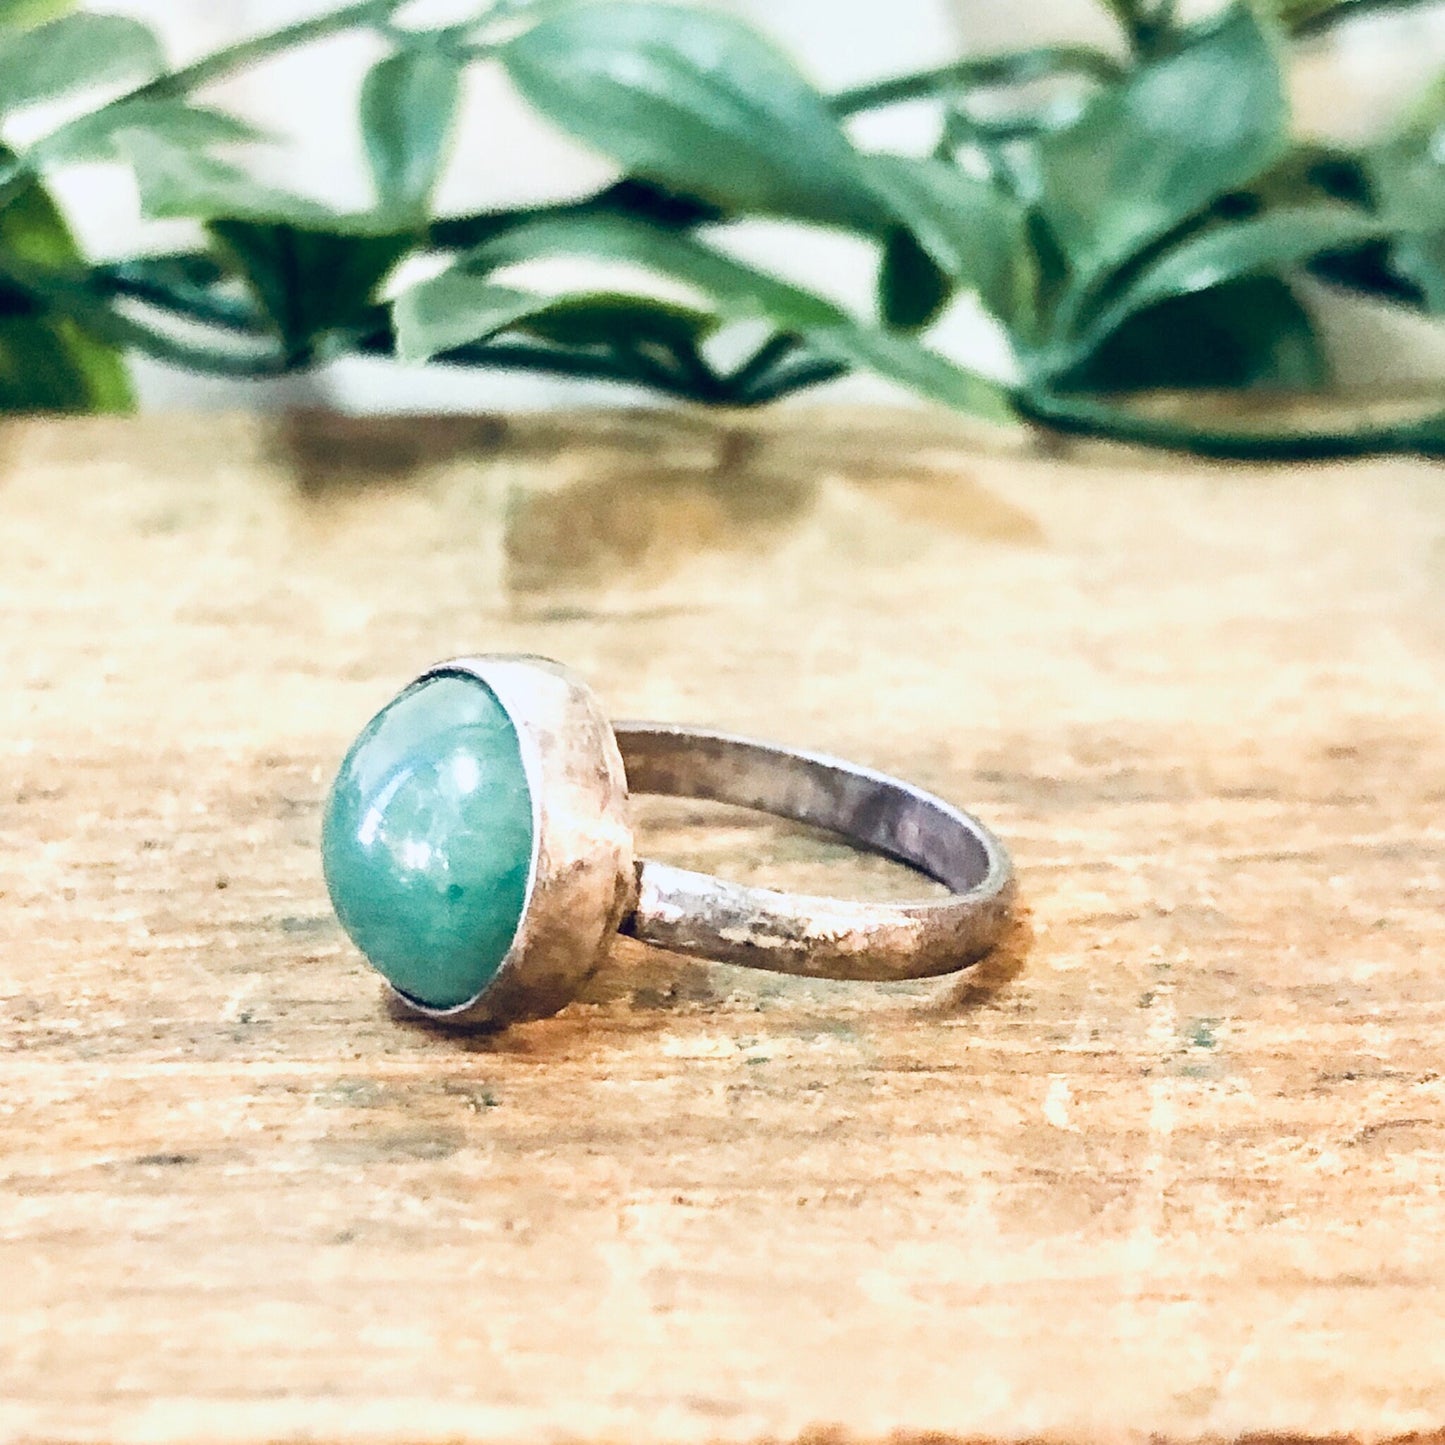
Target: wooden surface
[(1172, 1163)]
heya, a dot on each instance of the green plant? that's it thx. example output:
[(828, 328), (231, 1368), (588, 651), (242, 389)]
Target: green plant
[(1138, 228)]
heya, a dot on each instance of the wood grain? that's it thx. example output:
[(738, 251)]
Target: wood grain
[(1173, 1162)]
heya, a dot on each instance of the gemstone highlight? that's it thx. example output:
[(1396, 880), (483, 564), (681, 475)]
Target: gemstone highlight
[(427, 840)]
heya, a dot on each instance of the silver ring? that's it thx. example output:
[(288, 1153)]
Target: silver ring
[(478, 849)]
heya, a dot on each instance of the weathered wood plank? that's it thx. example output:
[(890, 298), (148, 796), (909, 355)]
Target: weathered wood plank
[(1174, 1163)]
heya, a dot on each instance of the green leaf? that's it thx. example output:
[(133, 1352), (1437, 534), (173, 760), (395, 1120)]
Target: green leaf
[(173, 123), (408, 105), (1274, 242), (639, 200), (1421, 260), (26, 14), (38, 368), (612, 319), (457, 308), (1153, 152), (1247, 334), (697, 102), (741, 293), (974, 232), (177, 182), (312, 272), (74, 53), (47, 362), (460, 307), (1408, 173), (1410, 181), (1310, 172), (309, 283), (913, 289), (33, 230)]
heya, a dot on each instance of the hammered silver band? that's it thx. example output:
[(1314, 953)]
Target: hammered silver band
[(818, 937)]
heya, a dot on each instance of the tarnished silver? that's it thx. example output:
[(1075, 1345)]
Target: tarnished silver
[(586, 884), (815, 936)]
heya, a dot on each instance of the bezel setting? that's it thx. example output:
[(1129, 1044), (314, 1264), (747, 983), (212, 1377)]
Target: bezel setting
[(583, 878)]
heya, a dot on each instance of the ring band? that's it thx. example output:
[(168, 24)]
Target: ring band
[(793, 933), (478, 850)]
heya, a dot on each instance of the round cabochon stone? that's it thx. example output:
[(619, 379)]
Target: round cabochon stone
[(427, 840)]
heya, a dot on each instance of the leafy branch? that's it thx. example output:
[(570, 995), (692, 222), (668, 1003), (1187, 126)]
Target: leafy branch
[(1134, 225)]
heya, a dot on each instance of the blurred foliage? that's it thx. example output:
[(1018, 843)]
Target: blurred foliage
[(1133, 224)]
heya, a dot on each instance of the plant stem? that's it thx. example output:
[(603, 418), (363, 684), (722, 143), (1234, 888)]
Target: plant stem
[(73, 297), (628, 197), (248, 52), (525, 356), (1093, 417), (1016, 68), (755, 370), (192, 304), (1127, 15), (694, 373), (680, 375), (509, 10), (592, 366), (809, 372), (17, 173), (1147, 27), (1325, 18), (121, 331)]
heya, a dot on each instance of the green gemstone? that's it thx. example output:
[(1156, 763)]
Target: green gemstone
[(427, 840)]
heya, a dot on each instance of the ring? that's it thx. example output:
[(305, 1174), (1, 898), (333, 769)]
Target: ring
[(477, 849)]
